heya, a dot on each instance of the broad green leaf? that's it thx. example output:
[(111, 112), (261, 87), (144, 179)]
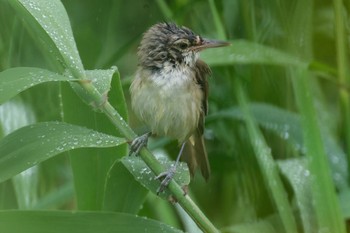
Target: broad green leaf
[(39, 35), (245, 52), (123, 193), (77, 222), (146, 177), (33, 144), (51, 18), (15, 80)]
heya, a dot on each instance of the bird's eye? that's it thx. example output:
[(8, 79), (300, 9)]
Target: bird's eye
[(183, 45)]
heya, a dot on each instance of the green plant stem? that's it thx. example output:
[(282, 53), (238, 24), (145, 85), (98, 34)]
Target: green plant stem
[(184, 200), (342, 64), (165, 9), (248, 13), (218, 24)]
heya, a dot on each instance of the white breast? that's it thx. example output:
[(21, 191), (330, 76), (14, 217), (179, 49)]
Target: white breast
[(170, 103)]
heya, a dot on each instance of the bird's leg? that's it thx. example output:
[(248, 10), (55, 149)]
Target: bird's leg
[(139, 142), (168, 175)]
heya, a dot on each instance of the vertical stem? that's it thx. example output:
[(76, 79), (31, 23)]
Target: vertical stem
[(248, 13), (218, 24), (164, 8), (343, 74)]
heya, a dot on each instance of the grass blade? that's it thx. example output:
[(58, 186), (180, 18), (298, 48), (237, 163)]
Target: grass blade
[(267, 165), (325, 200), (33, 144)]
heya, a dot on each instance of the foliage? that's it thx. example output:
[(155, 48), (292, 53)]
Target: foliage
[(277, 134)]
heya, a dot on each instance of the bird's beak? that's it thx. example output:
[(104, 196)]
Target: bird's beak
[(208, 43)]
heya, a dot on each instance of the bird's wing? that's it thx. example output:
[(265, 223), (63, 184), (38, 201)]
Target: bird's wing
[(195, 153)]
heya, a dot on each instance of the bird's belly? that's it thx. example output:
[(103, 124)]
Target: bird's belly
[(171, 110)]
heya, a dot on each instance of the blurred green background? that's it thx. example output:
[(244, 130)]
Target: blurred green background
[(271, 42)]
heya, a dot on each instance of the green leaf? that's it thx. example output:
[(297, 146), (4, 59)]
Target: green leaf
[(245, 52), (101, 79), (51, 20), (287, 125), (298, 174), (33, 144), (283, 123), (325, 200), (123, 193), (146, 177), (77, 222), (15, 80), (267, 165), (116, 95)]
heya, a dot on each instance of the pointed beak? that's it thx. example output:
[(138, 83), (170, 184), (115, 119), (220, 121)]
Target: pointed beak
[(208, 43)]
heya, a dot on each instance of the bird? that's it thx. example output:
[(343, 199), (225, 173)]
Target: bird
[(169, 93)]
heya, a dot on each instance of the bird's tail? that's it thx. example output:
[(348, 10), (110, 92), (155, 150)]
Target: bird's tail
[(195, 155)]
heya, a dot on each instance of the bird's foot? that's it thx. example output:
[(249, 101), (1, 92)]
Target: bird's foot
[(139, 142), (166, 177)]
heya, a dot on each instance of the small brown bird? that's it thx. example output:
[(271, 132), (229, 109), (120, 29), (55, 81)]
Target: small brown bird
[(170, 91)]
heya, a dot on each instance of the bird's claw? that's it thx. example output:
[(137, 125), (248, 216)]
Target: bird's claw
[(166, 177), (137, 144)]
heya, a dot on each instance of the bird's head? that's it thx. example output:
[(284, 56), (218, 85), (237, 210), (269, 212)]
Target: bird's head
[(168, 44)]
